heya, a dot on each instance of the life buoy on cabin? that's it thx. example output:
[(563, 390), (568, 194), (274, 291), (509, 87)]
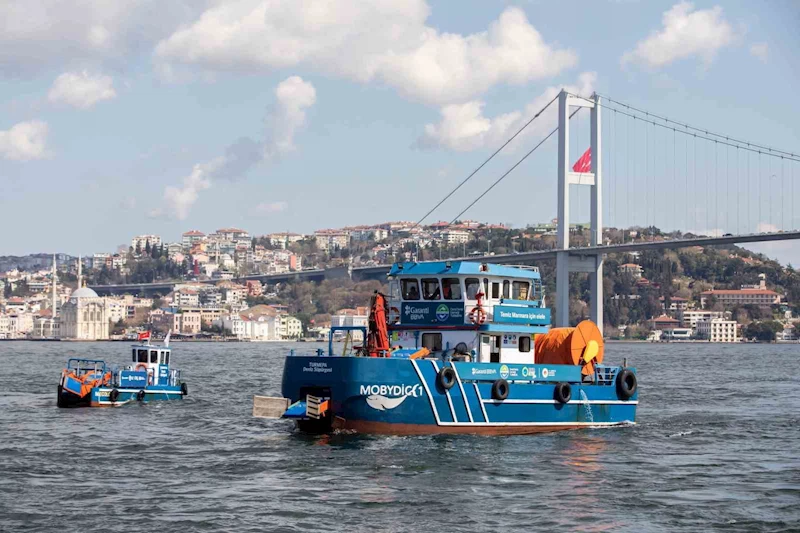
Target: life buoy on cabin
[(477, 315), (394, 315), (446, 378), (626, 384), (144, 367), (500, 390), (563, 392)]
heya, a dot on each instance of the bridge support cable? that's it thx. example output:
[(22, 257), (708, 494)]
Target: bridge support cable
[(463, 182), (712, 182)]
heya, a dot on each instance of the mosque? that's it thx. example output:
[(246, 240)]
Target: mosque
[(85, 315)]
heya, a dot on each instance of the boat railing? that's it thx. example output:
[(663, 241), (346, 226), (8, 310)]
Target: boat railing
[(605, 375), (524, 267)]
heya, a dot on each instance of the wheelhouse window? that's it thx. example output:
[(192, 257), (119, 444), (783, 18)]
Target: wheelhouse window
[(154, 356), (430, 289), (166, 358), (506, 289), (524, 344), (520, 290), (473, 286), (496, 290), (141, 356), (410, 289), (432, 341), (451, 288)]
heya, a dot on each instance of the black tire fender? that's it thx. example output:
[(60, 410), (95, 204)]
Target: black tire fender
[(140, 395), (500, 389), (184, 389), (626, 384), (446, 378), (563, 392), (113, 396)]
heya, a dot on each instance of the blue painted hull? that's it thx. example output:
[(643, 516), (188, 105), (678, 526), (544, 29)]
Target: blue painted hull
[(402, 396), (101, 396)]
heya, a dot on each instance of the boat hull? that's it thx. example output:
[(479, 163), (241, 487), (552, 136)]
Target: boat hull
[(101, 396), (406, 397)]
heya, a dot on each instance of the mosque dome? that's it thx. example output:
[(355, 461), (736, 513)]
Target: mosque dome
[(84, 292)]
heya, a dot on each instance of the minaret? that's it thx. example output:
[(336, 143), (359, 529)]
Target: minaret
[(80, 280), (53, 304)]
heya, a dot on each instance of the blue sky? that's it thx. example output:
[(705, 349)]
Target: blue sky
[(151, 117)]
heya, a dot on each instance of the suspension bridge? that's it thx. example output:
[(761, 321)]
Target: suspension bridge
[(642, 170)]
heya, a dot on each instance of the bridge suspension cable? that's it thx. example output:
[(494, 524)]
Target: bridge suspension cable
[(702, 130), (463, 182)]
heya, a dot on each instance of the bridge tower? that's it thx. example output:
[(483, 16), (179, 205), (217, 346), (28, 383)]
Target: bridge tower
[(567, 261)]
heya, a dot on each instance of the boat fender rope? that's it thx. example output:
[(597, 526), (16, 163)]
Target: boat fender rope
[(626, 384), (500, 389), (477, 315), (563, 392), (446, 378)]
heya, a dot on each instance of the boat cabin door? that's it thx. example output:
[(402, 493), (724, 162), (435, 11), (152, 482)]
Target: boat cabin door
[(490, 348)]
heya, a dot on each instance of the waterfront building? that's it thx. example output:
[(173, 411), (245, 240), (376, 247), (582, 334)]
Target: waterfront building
[(761, 297), (690, 318), (676, 304), (675, 334), (718, 330), (664, 322), (187, 321), (289, 327), (85, 315)]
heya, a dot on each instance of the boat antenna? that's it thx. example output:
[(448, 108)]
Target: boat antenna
[(166, 339)]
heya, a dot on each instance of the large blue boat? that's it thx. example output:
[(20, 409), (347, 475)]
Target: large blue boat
[(458, 347), (91, 383)]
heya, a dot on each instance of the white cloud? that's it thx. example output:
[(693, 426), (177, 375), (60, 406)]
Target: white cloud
[(293, 97), (463, 127), (712, 232), (270, 208), (760, 50), (24, 141), (685, 33), (385, 41), (38, 35), (81, 89)]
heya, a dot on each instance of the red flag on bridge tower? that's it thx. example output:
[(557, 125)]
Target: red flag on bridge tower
[(584, 164)]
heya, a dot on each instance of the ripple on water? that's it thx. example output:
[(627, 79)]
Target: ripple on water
[(715, 449)]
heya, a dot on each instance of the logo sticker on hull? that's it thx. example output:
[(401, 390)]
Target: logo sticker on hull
[(384, 397)]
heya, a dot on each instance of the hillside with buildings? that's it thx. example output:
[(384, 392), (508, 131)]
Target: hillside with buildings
[(723, 294)]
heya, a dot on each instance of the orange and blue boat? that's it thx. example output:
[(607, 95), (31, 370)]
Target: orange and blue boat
[(149, 377)]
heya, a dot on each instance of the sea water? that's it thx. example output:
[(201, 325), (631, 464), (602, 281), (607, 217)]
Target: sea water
[(716, 447)]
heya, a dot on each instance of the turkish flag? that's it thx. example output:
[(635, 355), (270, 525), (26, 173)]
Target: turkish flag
[(144, 335), (584, 164)]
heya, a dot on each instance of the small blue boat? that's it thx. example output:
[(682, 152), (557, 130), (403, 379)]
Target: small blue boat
[(91, 383), (458, 347)]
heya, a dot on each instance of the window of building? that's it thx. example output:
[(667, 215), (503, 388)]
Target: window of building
[(141, 356), (506, 289), (410, 289), (432, 341), (524, 344), (473, 286), (451, 288), (430, 289), (519, 290)]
